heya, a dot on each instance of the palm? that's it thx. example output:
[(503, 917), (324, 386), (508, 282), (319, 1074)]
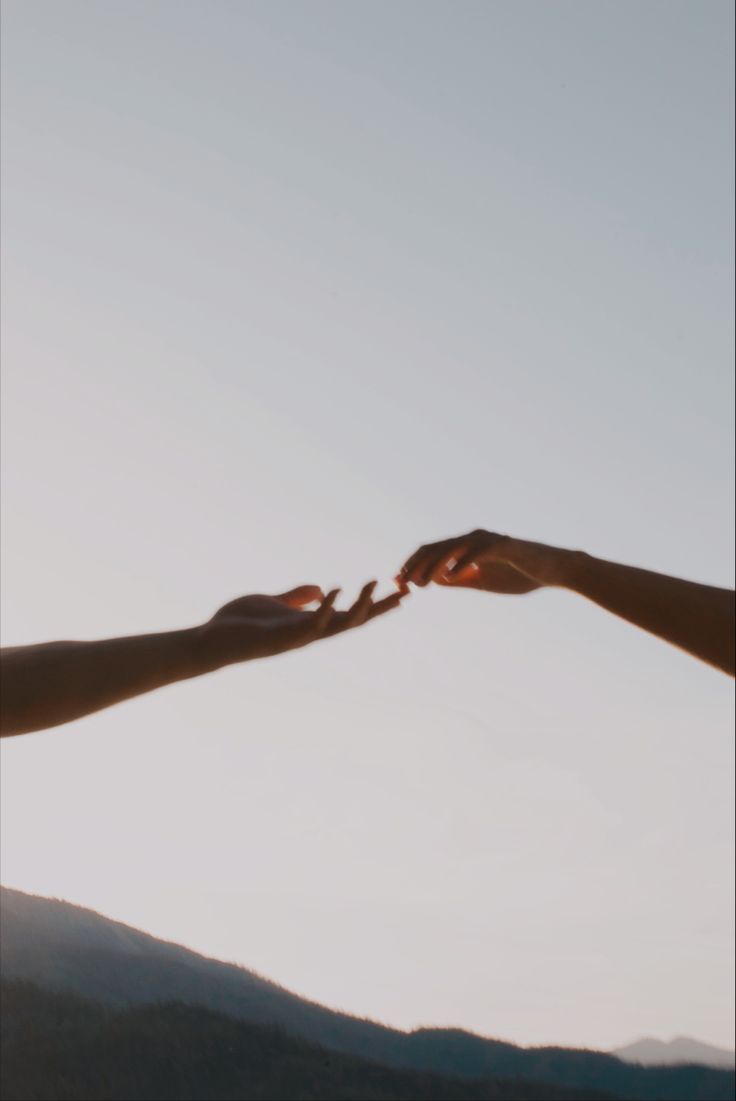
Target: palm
[(261, 626), (266, 625)]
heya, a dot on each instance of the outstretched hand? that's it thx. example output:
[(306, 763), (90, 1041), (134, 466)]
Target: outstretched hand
[(478, 560), (262, 626), (53, 683), (697, 618)]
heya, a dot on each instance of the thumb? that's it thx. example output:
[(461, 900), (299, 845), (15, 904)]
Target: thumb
[(468, 577), (303, 594)]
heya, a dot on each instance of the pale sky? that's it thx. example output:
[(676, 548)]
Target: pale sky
[(288, 289)]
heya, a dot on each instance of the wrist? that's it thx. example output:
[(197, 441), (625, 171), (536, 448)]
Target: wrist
[(569, 568), (552, 567), (197, 651), (212, 646)]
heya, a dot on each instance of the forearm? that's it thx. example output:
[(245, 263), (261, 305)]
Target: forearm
[(697, 618), (57, 682)]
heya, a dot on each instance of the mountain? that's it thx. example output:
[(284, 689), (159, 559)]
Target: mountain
[(682, 1050), (67, 948), (59, 1047)]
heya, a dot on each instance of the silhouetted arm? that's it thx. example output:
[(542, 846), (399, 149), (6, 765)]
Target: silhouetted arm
[(697, 618), (57, 682), (53, 683)]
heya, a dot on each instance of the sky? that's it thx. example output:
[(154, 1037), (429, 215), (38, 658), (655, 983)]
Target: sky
[(289, 289)]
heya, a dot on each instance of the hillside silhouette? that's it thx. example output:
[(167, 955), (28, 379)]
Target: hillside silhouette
[(67, 948), (64, 1048)]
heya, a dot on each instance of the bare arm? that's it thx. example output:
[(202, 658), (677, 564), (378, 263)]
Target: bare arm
[(57, 682), (54, 683), (697, 618)]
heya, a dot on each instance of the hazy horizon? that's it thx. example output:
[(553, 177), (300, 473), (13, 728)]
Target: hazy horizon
[(288, 290), (636, 1042)]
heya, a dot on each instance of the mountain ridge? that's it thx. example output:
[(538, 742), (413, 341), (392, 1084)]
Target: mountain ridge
[(63, 947), (60, 1047)]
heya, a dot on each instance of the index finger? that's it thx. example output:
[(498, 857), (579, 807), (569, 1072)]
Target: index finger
[(412, 565), (344, 621), (434, 555), (387, 603)]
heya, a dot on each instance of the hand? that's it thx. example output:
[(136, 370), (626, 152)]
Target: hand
[(483, 560), (262, 626)]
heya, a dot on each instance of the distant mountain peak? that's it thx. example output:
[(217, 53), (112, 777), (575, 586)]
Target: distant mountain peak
[(682, 1050)]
